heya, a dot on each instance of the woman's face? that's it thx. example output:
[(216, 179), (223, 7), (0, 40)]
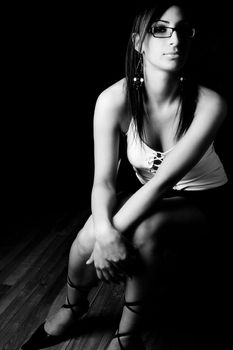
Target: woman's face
[(168, 49)]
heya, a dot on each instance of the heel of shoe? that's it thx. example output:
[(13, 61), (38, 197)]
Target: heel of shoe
[(41, 339)]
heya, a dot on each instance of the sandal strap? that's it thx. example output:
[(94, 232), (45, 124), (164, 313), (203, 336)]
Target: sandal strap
[(81, 289), (119, 335), (130, 305), (125, 334), (85, 306)]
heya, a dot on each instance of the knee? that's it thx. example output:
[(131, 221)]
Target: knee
[(84, 241), (147, 233)]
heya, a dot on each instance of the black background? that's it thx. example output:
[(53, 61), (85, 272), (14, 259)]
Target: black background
[(57, 59)]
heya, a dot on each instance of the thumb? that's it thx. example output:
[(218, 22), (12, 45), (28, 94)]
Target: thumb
[(90, 260)]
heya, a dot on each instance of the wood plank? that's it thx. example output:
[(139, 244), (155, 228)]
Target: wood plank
[(14, 253), (30, 279), (36, 277), (45, 248), (27, 258), (4, 289), (33, 293), (27, 305)]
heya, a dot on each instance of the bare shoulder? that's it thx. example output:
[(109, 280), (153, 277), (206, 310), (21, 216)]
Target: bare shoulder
[(111, 106), (211, 102), (114, 97)]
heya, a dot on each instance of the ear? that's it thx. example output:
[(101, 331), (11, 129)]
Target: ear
[(136, 42)]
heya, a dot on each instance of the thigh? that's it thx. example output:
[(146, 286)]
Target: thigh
[(175, 233), (182, 211), (175, 217)]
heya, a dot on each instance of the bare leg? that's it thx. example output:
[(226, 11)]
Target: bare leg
[(81, 275), (137, 289), (176, 214)]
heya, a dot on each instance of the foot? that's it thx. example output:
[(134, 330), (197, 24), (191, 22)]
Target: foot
[(63, 320), (55, 328)]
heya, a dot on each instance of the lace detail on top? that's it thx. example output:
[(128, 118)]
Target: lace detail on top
[(155, 159), (207, 173), (152, 159)]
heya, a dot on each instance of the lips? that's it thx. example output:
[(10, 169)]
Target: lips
[(173, 53)]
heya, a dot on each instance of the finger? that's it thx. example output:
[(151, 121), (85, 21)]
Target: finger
[(98, 273), (117, 274), (110, 275), (115, 265), (106, 275), (90, 260), (101, 274)]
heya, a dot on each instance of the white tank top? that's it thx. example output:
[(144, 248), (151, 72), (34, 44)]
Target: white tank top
[(207, 173)]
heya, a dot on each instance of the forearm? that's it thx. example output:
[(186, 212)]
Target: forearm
[(103, 200), (172, 169), (138, 205)]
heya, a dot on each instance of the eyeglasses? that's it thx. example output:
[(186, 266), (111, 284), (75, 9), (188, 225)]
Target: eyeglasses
[(159, 30)]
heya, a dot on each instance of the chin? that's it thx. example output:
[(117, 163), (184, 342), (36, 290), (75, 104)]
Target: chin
[(174, 66)]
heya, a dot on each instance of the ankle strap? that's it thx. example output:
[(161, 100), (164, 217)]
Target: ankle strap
[(81, 289), (134, 334), (129, 305), (84, 305)]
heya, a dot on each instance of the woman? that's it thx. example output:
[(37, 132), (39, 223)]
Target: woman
[(169, 123)]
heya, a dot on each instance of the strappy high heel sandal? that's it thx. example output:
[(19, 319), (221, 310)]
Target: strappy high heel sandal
[(136, 343), (41, 339)]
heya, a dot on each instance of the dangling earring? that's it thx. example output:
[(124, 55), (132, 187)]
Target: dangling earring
[(138, 79), (182, 79)]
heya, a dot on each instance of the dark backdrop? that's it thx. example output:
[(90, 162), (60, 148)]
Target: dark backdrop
[(58, 59)]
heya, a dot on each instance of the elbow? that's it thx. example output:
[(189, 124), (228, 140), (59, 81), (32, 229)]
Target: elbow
[(104, 184)]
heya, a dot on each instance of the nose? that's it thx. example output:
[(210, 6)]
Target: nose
[(174, 39)]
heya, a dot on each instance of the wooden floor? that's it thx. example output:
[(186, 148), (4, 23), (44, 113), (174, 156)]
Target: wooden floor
[(32, 285)]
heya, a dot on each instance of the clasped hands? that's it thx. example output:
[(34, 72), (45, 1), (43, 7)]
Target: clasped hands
[(113, 256)]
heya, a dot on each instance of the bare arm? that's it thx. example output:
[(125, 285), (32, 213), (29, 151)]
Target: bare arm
[(109, 246), (106, 154), (188, 151)]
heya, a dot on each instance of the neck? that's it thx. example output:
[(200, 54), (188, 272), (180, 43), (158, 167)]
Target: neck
[(161, 87)]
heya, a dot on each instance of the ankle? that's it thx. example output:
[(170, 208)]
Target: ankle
[(59, 322), (129, 341), (124, 341)]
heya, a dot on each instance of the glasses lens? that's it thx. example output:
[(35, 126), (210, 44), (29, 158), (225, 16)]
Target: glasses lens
[(186, 30), (161, 31)]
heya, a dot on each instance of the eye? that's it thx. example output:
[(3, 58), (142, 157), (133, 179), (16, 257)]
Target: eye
[(159, 29), (186, 29)]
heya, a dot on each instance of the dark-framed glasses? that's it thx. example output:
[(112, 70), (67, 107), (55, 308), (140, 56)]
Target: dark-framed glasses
[(160, 30)]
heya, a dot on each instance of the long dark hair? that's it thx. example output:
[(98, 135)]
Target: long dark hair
[(188, 89)]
